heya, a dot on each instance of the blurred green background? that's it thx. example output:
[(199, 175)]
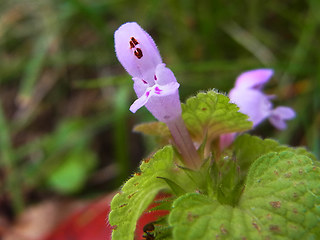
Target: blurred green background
[(65, 127)]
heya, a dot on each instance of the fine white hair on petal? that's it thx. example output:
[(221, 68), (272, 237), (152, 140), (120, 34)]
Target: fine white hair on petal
[(254, 78)]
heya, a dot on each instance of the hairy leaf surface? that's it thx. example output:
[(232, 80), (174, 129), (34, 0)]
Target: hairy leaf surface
[(280, 201)]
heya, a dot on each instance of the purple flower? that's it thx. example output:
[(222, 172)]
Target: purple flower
[(248, 95), (154, 84)]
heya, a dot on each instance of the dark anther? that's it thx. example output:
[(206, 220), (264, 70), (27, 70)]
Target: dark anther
[(131, 44), (138, 53), (134, 41)]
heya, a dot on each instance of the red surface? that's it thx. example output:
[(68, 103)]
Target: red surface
[(91, 222)]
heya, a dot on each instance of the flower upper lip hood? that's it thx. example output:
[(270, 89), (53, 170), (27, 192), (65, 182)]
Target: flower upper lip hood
[(253, 79), (136, 51)]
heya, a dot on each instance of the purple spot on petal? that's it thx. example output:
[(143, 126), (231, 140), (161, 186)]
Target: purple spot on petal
[(157, 90), (155, 77), (148, 93), (145, 82)]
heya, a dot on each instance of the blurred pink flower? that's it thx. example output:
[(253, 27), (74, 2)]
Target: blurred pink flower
[(248, 95)]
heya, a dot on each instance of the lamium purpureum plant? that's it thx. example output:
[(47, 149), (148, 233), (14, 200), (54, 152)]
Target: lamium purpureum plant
[(218, 182)]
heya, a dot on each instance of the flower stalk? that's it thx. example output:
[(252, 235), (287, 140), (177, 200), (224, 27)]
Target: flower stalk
[(184, 143)]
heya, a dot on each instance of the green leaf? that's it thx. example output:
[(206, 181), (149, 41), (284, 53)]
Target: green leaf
[(208, 114), (195, 216), (283, 193), (281, 201), (157, 129), (211, 113), (138, 192), (153, 129), (71, 174), (176, 189), (248, 148)]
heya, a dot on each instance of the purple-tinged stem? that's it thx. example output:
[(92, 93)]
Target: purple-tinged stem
[(184, 143)]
